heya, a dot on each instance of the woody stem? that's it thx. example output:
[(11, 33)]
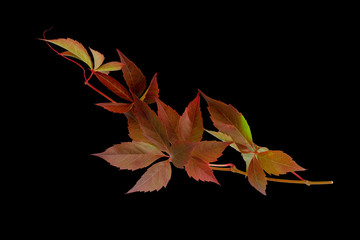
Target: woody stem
[(231, 168)]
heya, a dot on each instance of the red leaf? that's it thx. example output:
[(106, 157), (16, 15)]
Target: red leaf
[(156, 177), (132, 75), (180, 153), (200, 170), (135, 132), (204, 153), (191, 123), (257, 176), (116, 107), (170, 118), (209, 151), (113, 85), (131, 155), (150, 124), (230, 121), (277, 162), (152, 92)]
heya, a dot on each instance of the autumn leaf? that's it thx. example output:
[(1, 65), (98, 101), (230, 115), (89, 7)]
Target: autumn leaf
[(190, 126), (131, 155), (75, 48), (113, 85), (204, 153), (156, 177), (110, 67), (209, 151), (200, 170), (107, 67), (249, 156), (135, 132), (98, 58), (223, 137), (230, 121), (152, 91), (133, 76), (277, 162), (116, 107), (151, 125), (257, 176), (180, 152), (170, 118)]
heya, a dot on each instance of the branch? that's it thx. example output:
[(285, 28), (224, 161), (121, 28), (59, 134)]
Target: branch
[(231, 168)]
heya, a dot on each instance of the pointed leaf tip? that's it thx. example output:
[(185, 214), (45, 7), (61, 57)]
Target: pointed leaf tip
[(155, 178), (74, 47), (191, 122), (230, 121), (133, 76), (277, 162), (256, 176)]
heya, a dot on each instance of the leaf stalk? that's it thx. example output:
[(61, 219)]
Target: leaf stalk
[(231, 168)]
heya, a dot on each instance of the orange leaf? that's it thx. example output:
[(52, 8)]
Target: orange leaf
[(152, 92), (170, 119), (277, 162), (204, 153), (156, 177), (135, 132), (191, 123), (209, 151), (150, 124), (113, 85), (180, 153), (131, 155), (133, 76), (257, 176), (116, 107), (200, 170)]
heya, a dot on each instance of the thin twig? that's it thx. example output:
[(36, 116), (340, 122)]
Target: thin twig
[(231, 168)]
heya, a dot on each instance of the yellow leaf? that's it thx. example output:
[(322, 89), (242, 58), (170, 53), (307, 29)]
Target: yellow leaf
[(74, 47), (110, 66), (98, 58)]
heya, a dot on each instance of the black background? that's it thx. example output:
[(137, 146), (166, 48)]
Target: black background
[(278, 65)]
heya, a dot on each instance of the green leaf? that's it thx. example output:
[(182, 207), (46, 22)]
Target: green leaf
[(230, 121)]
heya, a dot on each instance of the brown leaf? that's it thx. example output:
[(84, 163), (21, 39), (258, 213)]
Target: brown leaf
[(133, 76), (135, 132), (152, 92), (113, 85), (150, 124), (116, 107)]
